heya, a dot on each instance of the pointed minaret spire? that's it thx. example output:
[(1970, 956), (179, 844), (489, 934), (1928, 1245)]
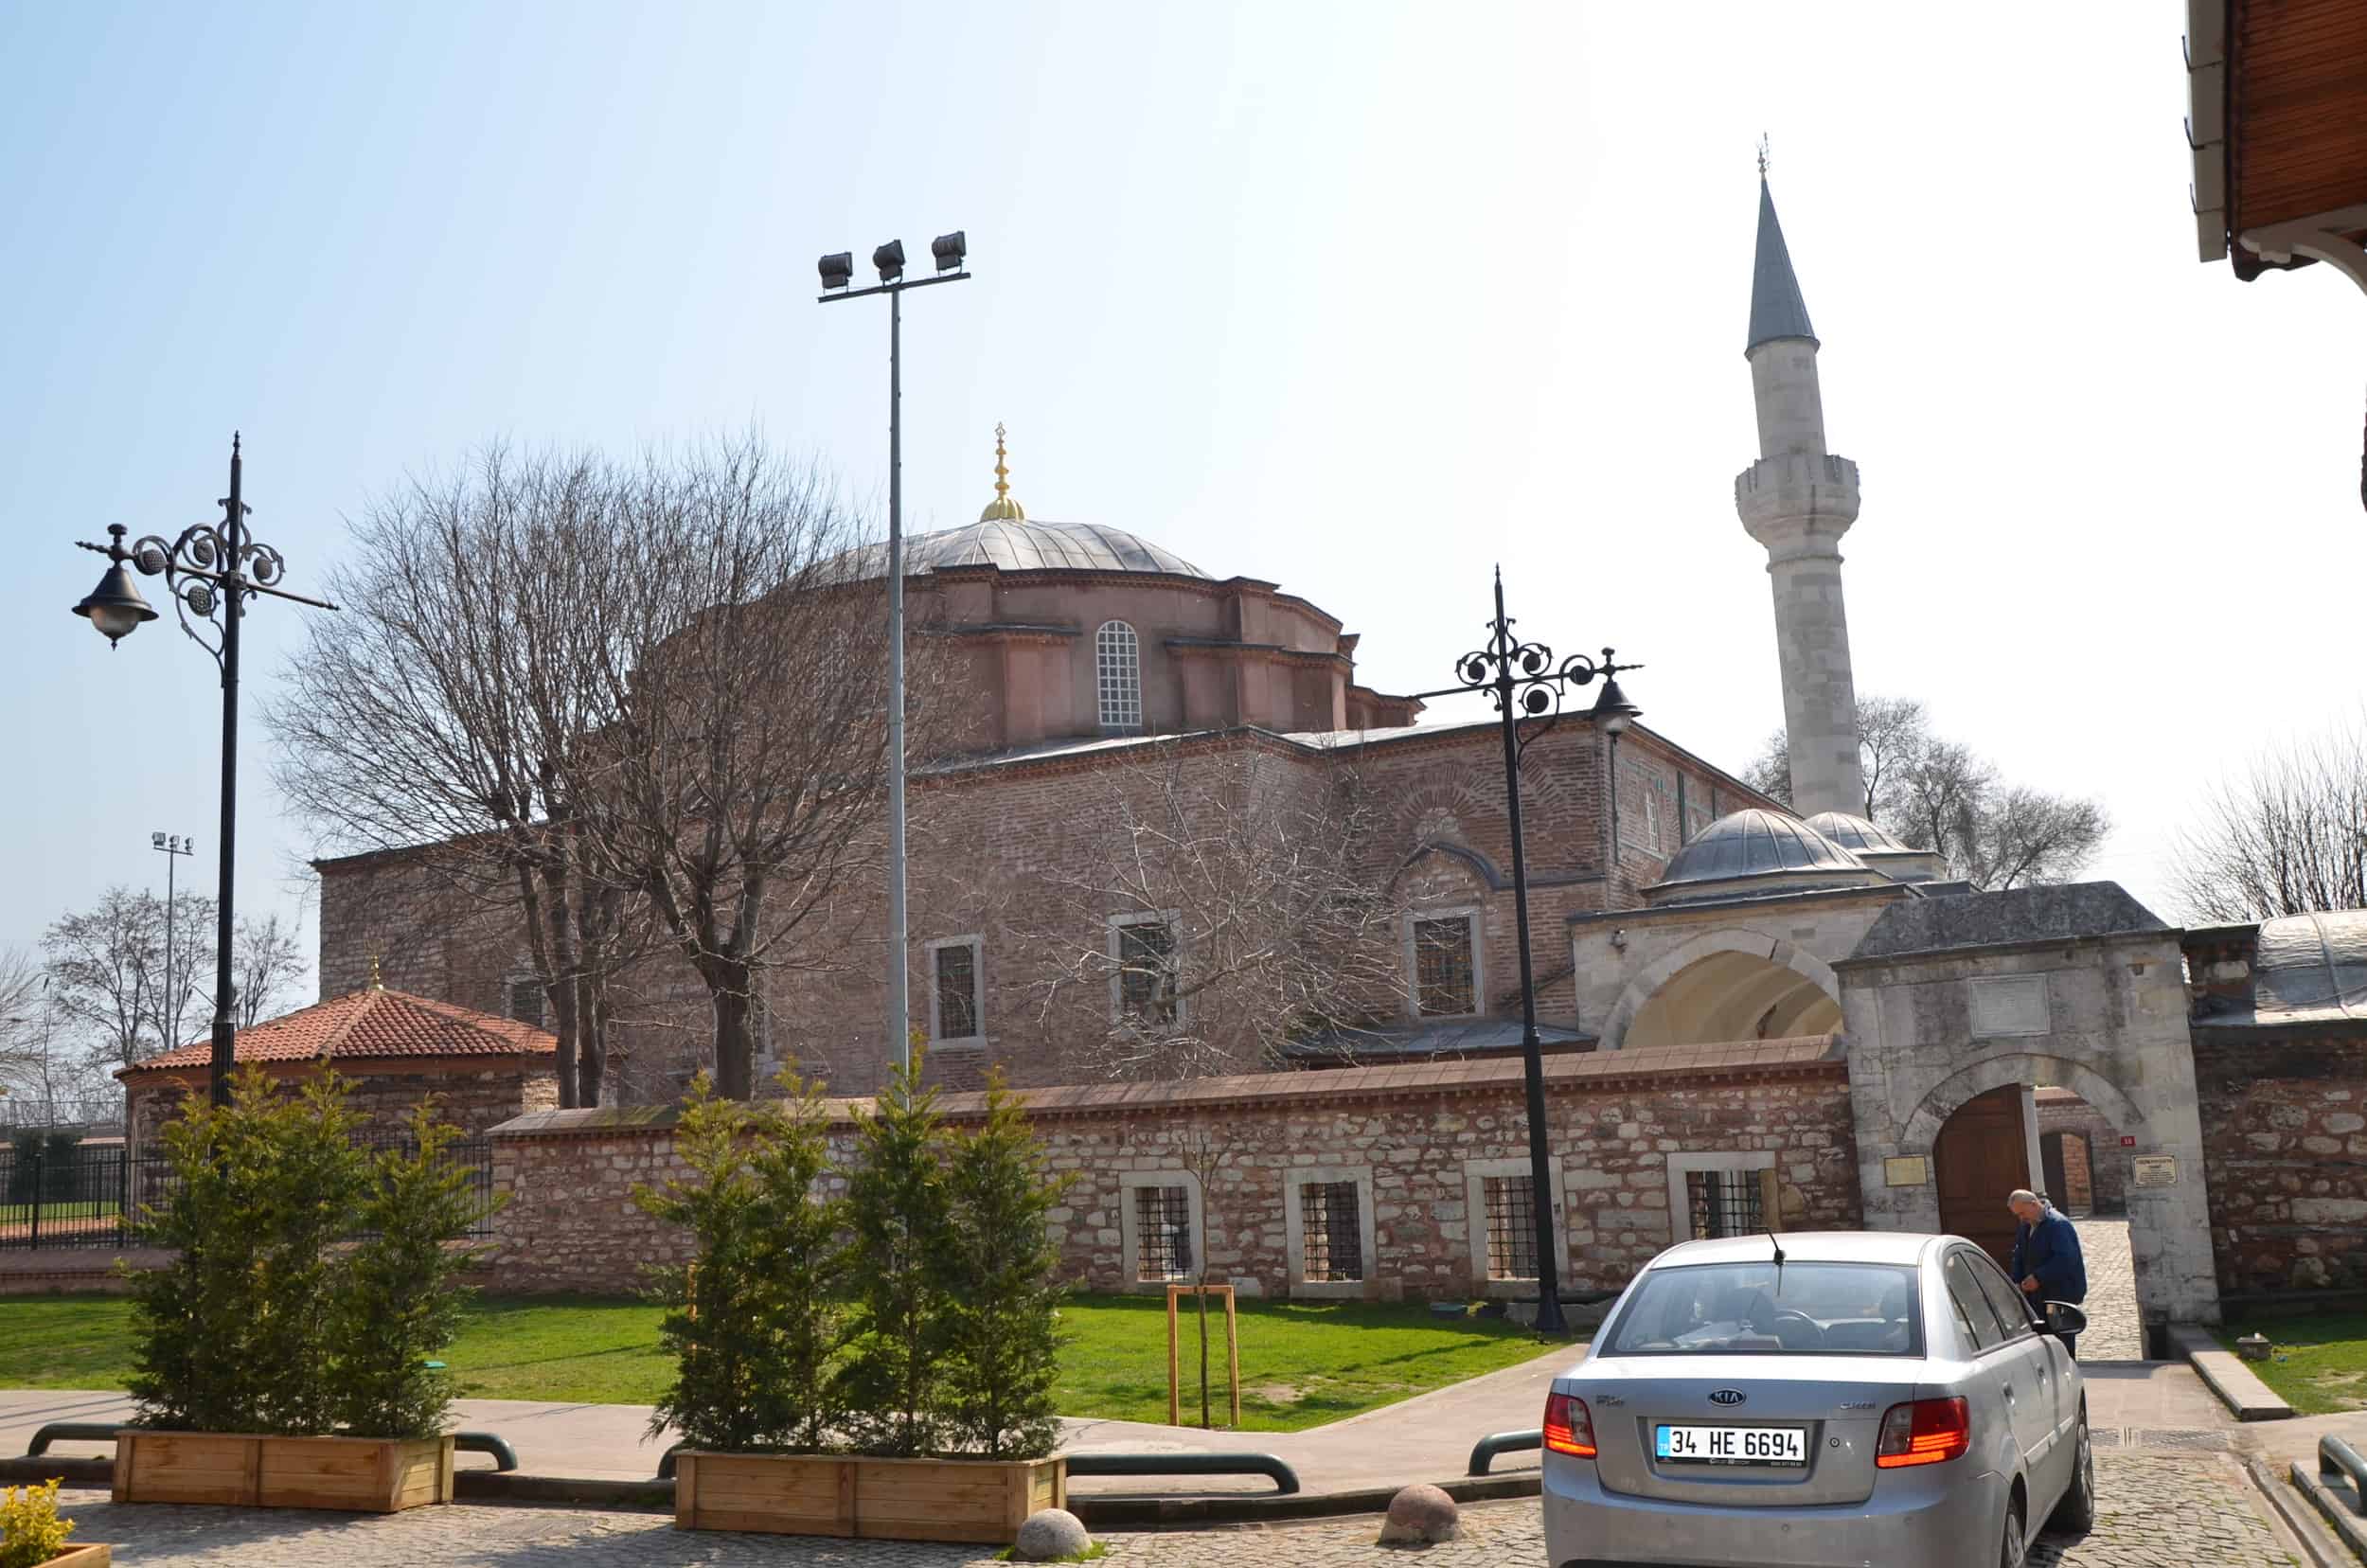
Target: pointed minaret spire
[(1002, 508), (1777, 311), (1797, 501)]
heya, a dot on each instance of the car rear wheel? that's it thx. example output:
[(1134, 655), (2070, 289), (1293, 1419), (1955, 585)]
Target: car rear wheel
[(2076, 1513), (2016, 1549)]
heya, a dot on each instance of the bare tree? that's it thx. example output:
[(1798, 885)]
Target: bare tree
[(2288, 838), (267, 959), (1210, 909), (106, 970), (612, 700), (739, 781), (443, 712), (1939, 795)]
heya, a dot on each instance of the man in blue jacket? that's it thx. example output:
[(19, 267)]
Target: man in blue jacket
[(2047, 1264)]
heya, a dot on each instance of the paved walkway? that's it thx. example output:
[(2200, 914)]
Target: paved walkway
[(2170, 1510), (2115, 1331)]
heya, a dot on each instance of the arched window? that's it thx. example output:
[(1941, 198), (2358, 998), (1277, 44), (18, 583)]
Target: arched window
[(1117, 663)]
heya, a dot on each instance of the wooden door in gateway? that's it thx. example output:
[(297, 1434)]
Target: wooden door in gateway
[(1978, 1158)]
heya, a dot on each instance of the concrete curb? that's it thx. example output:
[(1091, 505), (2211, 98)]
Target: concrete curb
[(2296, 1519), (2224, 1373), (2334, 1506)]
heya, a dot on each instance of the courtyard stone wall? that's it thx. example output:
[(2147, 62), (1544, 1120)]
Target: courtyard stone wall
[(2284, 1124), (1417, 1145), (474, 1098)]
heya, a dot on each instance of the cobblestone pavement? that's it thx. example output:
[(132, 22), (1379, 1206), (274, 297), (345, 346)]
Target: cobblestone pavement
[(2114, 1330), (2165, 1509)]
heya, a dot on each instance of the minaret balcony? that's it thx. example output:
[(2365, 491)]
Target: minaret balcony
[(1788, 500)]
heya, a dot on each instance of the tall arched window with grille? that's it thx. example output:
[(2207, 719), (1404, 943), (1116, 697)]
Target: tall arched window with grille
[(1117, 661)]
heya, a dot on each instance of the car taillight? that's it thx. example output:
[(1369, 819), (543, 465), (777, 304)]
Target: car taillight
[(1568, 1427), (1924, 1433)]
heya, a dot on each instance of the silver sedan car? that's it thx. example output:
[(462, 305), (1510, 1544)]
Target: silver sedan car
[(1819, 1399)]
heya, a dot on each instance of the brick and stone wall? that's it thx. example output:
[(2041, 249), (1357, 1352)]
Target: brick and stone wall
[(2100, 1182), (2285, 1123), (1415, 1142), (990, 844), (473, 1095)]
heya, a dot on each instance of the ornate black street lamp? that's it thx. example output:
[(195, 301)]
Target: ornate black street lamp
[(1526, 685), (211, 572)]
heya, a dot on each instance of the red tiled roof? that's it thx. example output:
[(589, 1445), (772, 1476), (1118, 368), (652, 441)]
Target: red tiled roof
[(371, 1023)]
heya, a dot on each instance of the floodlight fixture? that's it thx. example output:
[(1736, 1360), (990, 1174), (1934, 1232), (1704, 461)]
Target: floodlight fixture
[(838, 269), (889, 258), (950, 250)]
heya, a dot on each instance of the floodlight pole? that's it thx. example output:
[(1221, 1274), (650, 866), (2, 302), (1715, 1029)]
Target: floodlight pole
[(899, 1032)]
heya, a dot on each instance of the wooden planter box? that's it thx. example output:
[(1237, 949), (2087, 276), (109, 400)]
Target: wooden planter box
[(356, 1474), (983, 1501), (95, 1554)]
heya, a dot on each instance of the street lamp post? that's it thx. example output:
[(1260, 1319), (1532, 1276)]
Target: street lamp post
[(838, 272), (210, 571), (174, 845), (1525, 683)]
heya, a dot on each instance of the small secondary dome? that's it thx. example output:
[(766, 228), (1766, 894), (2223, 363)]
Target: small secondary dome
[(1858, 834), (1755, 843)]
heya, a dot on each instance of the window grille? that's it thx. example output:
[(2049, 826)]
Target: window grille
[(1117, 663), (957, 992), (526, 998), (1147, 980), (1163, 1230), (1443, 972), (1511, 1227), (1724, 1202), (1334, 1237)]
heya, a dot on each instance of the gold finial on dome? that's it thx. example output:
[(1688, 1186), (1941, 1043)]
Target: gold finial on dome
[(1001, 507)]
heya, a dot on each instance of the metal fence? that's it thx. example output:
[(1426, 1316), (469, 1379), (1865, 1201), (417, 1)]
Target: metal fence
[(59, 1194)]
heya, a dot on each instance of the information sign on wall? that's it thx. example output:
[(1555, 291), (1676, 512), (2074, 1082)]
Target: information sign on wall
[(2153, 1170)]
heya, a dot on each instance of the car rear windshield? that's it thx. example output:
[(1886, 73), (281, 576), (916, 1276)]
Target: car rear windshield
[(1770, 1309)]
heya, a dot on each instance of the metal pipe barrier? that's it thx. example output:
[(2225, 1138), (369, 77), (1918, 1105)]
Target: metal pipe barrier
[(1484, 1451), (505, 1457), (2336, 1457), (1286, 1480)]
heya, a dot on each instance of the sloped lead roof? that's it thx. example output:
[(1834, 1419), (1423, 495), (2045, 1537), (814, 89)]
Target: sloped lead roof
[(1776, 309), (1021, 546)]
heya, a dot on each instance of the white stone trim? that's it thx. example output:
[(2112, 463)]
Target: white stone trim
[(1475, 1174), (1129, 1223), (1173, 920), (1294, 1233), (977, 946), (1682, 1165), (1473, 914)]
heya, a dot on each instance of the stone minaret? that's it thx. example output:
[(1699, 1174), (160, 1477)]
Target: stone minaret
[(1798, 500)]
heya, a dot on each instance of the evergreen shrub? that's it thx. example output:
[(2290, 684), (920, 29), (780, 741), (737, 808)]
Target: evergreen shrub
[(30, 1531), (269, 1320), (915, 1316)]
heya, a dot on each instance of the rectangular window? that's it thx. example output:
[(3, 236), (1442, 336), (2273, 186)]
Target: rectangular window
[(1163, 1230), (955, 972), (1147, 971), (1444, 975), (1333, 1231), (526, 998), (1723, 1203), (1511, 1227)]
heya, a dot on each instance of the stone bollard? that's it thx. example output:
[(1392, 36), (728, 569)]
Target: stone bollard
[(1421, 1516), (2254, 1347), (1049, 1535)]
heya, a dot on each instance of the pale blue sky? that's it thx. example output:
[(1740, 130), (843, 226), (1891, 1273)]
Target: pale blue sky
[(1362, 298)]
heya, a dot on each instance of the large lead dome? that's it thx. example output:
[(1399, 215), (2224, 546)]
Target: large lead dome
[(1754, 851)]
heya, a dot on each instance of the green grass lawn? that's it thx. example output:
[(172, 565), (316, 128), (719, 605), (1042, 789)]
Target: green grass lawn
[(2320, 1362), (1302, 1364), (92, 1209)]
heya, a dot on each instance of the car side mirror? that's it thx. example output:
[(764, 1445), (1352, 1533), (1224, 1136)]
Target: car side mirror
[(2064, 1318)]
